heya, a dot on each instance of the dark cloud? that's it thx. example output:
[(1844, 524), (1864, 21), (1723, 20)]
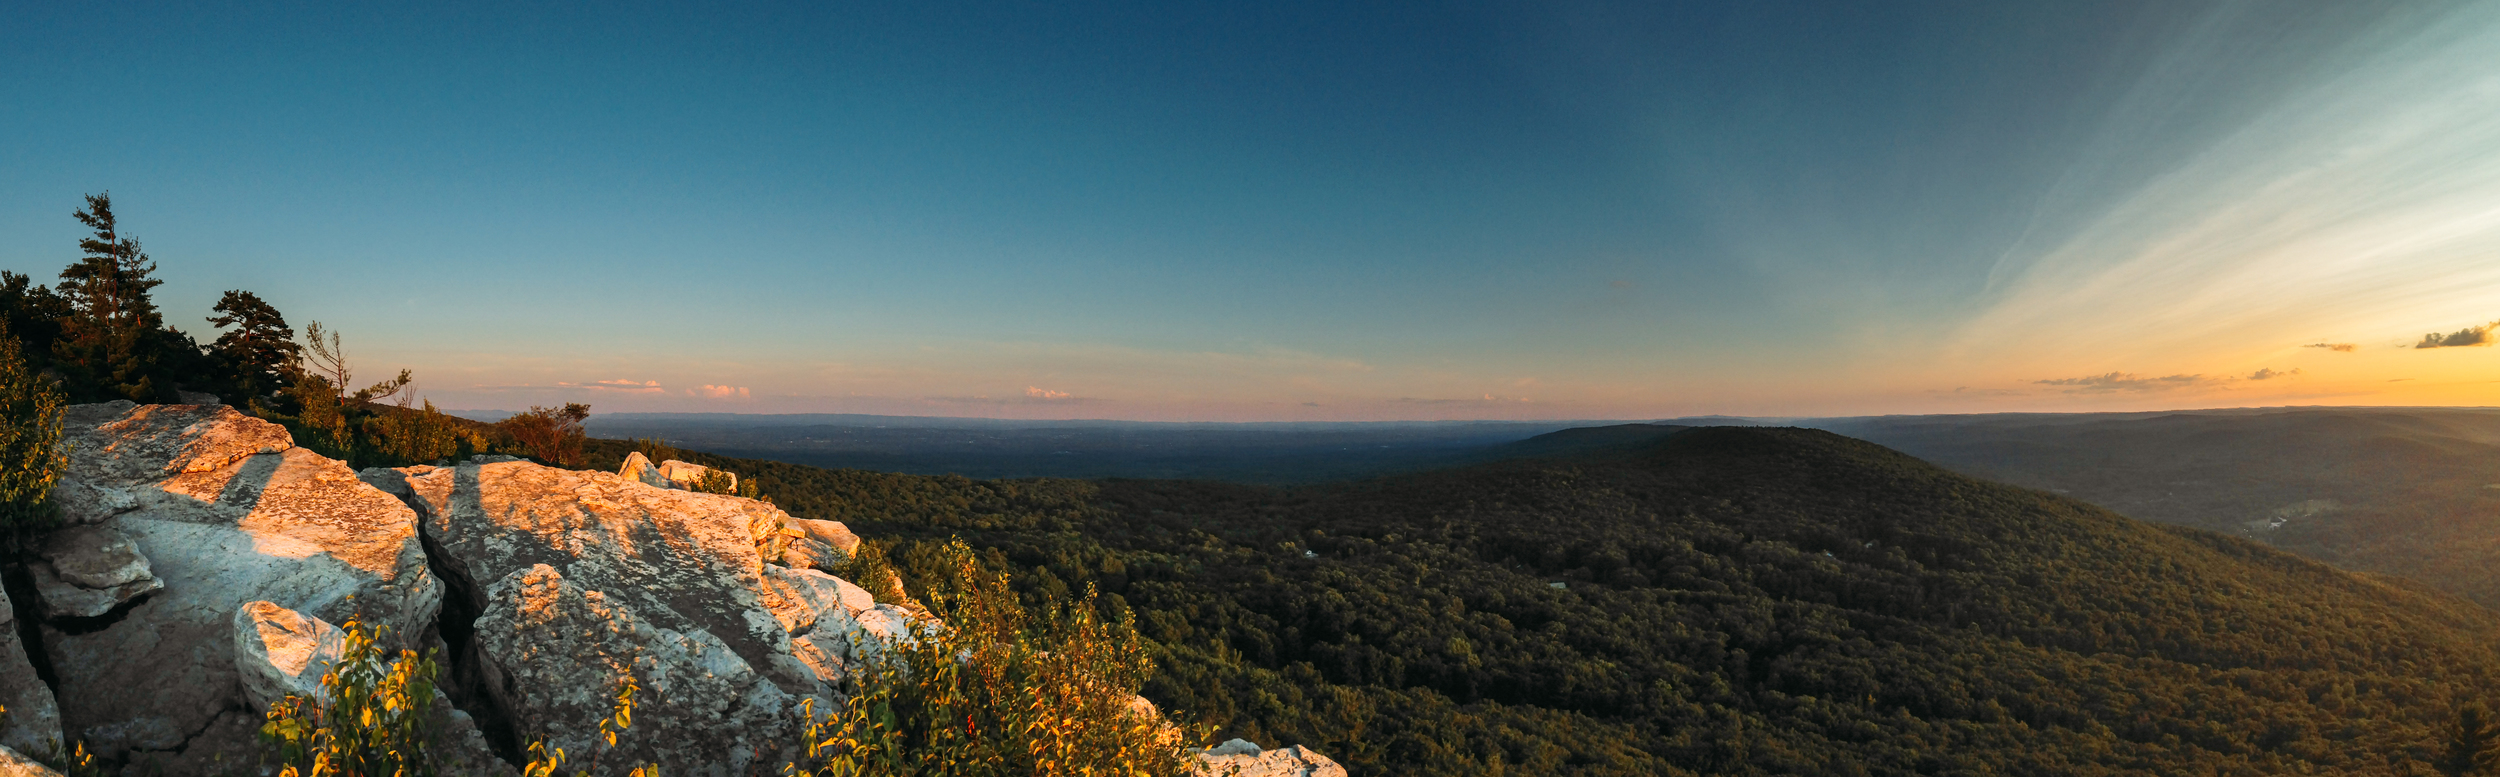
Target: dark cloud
[(2472, 335), (2124, 381), (2336, 347)]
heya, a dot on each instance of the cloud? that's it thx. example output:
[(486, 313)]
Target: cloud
[(2472, 335), (1043, 393), (2123, 381), (1486, 399), (2269, 372), (627, 386), (719, 392), (2336, 347)]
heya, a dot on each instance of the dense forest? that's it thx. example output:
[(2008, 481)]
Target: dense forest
[(1713, 601)]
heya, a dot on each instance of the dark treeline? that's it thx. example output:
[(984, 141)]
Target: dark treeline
[(1722, 601), (96, 335)]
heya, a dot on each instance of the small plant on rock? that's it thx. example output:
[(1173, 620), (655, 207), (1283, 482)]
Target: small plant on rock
[(376, 717)]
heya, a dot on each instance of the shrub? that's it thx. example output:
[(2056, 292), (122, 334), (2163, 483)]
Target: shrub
[(31, 456), (551, 435), (377, 719), (998, 690)]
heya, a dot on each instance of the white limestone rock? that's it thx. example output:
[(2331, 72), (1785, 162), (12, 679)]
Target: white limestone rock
[(34, 719), (638, 468), (831, 533), (119, 453), (86, 571), (226, 512), (279, 652), (556, 651), (1242, 758), (683, 475), (15, 764)]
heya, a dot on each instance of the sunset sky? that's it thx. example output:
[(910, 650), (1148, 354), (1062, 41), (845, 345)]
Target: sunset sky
[(1323, 211)]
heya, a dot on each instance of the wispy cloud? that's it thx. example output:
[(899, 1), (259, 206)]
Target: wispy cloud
[(2270, 373), (1043, 393), (2126, 381), (2361, 198), (1484, 400), (2336, 347), (2472, 335), (708, 391), (628, 386)]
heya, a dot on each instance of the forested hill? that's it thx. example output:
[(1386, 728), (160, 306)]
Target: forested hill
[(1731, 600)]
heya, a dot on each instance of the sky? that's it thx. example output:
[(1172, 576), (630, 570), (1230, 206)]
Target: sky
[(1303, 211)]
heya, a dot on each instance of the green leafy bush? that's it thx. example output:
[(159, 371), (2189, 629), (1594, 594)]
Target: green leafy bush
[(998, 690), (377, 719), (31, 458)]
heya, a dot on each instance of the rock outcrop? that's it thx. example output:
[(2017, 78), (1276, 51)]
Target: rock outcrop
[(684, 475), (542, 554), (557, 652), (34, 719), (210, 567), (225, 511), (86, 571), (15, 764), (1242, 758), (279, 652)]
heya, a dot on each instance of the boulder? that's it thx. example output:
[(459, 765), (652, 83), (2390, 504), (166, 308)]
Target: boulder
[(86, 571), (34, 720), (804, 553), (226, 512), (120, 453), (831, 533), (663, 561), (1241, 758), (557, 651), (279, 652), (638, 468), (15, 764), (798, 597), (832, 622), (683, 475)]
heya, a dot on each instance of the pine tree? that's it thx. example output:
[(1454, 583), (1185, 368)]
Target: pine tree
[(110, 344), (2473, 743), (258, 353), (33, 314)]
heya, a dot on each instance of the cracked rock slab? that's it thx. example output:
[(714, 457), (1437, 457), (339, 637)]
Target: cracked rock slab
[(89, 570), (556, 652), (680, 560), (222, 522), (34, 719)]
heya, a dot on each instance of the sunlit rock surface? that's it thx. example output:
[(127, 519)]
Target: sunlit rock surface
[(34, 720), (558, 651), (597, 547), (226, 512), (1241, 758), (279, 652), (15, 763)]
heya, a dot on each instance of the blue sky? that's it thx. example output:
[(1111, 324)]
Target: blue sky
[(1302, 211)]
